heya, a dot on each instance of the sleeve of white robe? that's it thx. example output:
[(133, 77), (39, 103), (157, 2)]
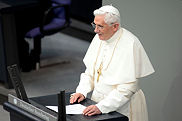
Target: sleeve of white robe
[(120, 96), (86, 84), (86, 80)]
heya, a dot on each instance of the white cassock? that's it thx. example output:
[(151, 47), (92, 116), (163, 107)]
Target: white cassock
[(124, 61)]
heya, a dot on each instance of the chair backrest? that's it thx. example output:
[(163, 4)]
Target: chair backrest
[(60, 20), (59, 10)]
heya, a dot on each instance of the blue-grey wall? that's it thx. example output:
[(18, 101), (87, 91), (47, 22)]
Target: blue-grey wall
[(158, 25)]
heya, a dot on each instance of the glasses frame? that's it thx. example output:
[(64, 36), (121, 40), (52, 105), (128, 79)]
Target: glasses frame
[(98, 26)]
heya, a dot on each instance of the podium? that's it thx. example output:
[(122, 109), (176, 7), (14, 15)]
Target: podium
[(36, 111)]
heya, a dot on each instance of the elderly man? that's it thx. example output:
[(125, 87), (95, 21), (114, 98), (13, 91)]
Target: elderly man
[(114, 62)]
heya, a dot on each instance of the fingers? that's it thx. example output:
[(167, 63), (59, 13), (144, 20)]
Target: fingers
[(75, 97), (91, 110), (88, 111), (81, 98), (72, 99)]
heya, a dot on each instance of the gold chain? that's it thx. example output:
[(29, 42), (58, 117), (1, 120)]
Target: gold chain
[(96, 62), (99, 71)]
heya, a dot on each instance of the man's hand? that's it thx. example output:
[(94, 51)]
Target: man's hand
[(77, 97), (91, 110)]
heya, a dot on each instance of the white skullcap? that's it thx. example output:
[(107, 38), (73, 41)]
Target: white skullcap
[(110, 9)]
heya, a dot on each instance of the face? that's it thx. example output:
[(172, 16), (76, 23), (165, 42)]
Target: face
[(104, 30)]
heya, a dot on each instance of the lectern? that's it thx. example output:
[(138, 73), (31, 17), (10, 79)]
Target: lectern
[(36, 111), (22, 108)]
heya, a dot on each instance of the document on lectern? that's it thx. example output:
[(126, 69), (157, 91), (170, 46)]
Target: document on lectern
[(70, 109)]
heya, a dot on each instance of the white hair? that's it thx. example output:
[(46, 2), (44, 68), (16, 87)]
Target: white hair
[(110, 16)]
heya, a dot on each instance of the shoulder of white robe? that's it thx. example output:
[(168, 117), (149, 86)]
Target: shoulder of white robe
[(143, 66), (92, 51)]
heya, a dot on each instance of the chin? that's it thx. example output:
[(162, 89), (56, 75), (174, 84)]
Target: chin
[(102, 38)]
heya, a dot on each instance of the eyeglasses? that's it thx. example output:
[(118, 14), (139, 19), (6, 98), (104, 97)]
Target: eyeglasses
[(98, 26)]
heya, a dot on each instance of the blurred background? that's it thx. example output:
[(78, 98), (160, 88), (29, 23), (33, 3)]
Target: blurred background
[(58, 63)]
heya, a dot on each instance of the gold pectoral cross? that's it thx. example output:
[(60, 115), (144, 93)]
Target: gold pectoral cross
[(99, 71)]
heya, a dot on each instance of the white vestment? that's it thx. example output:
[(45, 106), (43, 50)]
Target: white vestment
[(124, 62)]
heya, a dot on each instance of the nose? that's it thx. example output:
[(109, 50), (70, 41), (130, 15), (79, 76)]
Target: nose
[(96, 30)]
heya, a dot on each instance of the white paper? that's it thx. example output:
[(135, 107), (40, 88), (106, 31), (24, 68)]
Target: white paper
[(70, 109)]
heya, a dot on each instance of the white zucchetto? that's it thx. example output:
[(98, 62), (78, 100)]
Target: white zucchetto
[(109, 9)]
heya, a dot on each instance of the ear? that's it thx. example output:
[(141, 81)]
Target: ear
[(116, 26)]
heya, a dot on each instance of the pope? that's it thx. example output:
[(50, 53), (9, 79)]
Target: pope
[(115, 61)]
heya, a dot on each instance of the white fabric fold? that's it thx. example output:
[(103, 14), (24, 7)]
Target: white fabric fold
[(124, 62)]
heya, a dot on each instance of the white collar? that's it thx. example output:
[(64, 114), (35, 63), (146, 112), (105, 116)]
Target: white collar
[(114, 37)]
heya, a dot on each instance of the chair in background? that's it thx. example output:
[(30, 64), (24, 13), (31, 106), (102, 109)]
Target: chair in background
[(56, 18)]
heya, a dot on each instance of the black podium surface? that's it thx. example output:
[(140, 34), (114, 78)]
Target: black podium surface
[(18, 114)]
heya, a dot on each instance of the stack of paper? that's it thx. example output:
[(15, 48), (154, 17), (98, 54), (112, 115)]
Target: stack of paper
[(70, 109)]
